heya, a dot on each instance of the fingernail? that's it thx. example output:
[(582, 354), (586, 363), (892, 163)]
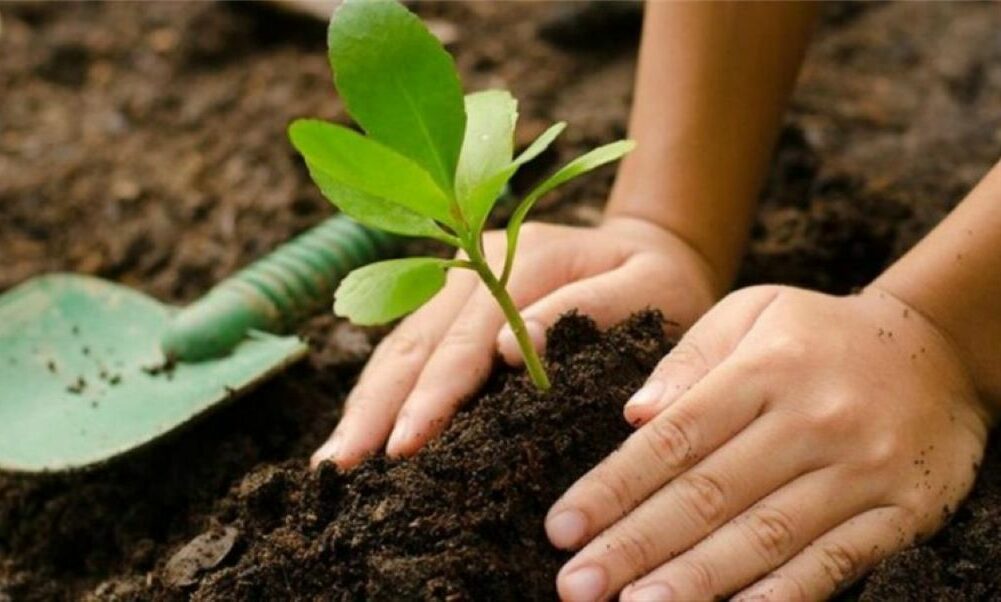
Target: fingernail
[(566, 529), (655, 592), (400, 437), (585, 584), (648, 394), (327, 451)]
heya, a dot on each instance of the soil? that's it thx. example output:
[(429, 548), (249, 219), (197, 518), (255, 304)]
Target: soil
[(144, 143), (460, 521)]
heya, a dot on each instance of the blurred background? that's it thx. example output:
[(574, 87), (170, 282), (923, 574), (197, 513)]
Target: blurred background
[(144, 142)]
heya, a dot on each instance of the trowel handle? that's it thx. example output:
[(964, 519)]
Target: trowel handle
[(277, 292)]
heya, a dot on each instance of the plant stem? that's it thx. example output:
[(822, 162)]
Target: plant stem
[(532, 362)]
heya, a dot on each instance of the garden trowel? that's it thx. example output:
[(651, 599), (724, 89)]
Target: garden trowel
[(90, 369)]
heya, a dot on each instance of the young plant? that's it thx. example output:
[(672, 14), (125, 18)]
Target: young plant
[(432, 164)]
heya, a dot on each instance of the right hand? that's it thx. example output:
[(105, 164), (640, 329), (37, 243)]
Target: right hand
[(788, 443), (438, 356)]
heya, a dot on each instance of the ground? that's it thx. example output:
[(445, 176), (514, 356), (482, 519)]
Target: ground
[(144, 143)]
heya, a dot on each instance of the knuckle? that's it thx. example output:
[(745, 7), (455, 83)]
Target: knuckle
[(795, 590), (771, 533), (461, 337), (406, 345), (687, 354), (776, 587), (831, 417), (636, 548), (612, 485), (785, 349), (701, 576), (835, 413), (669, 438), (884, 451), (840, 563), (703, 497)]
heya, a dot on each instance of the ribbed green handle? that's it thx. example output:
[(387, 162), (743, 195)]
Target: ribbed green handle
[(276, 292)]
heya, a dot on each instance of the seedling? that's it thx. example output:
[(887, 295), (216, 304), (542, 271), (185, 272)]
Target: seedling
[(431, 165)]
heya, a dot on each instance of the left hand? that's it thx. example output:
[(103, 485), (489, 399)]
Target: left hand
[(438, 356), (790, 441)]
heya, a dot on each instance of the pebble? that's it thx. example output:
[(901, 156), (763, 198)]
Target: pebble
[(200, 554)]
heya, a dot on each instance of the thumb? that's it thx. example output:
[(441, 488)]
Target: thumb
[(710, 341), (608, 298), (591, 297)]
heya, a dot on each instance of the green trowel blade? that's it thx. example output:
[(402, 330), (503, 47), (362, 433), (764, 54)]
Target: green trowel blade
[(84, 379)]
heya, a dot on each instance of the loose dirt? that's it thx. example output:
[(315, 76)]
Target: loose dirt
[(145, 143)]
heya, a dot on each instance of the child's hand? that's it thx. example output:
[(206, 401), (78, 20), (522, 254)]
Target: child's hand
[(435, 358), (789, 442)]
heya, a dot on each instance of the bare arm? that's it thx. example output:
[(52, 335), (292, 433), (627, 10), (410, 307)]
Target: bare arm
[(953, 277), (712, 84)]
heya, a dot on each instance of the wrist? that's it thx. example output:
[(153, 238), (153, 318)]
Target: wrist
[(707, 286), (941, 338), (718, 267)]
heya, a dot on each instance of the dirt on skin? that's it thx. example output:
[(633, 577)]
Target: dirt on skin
[(145, 143)]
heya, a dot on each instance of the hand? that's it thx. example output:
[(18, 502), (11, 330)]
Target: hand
[(421, 372), (790, 441)]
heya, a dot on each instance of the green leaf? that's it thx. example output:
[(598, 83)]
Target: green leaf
[(352, 160), (399, 84), (580, 165), (541, 143), (481, 199), (383, 291), (489, 141), (378, 213)]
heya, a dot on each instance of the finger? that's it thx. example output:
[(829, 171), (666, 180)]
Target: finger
[(607, 298), (836, 559), (455, 369), (565, 264), (389, 376), (676, 440), (460, 363), (708, 343), (757, 541), (688, 509)]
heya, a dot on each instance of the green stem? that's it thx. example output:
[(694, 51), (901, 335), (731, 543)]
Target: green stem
[(532, 362)]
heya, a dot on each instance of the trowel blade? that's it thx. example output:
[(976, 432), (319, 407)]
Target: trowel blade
[(82, 377)]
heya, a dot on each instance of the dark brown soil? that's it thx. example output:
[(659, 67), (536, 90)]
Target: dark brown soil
[(144, 143), (463, 519)]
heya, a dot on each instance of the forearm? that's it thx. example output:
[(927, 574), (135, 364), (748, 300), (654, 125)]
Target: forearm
[(953, 277), (712, 82)]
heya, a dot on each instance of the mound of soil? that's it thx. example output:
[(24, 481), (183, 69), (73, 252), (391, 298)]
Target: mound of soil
[(462, 520), (144, 143)]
